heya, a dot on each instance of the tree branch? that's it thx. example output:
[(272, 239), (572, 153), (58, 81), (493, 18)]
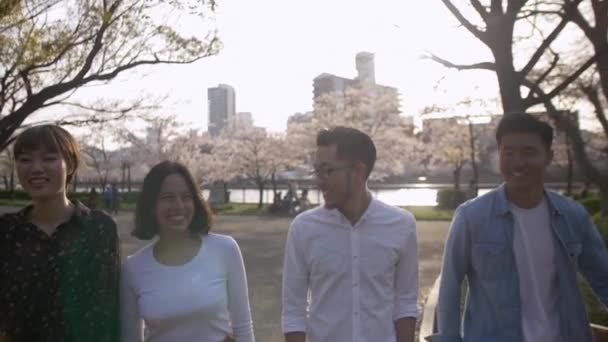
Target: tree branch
[(35, 13), (565, 83), (481, 35), (496, 7), (592, 94), (482, 65), (544, 75), (543, 47), (567, 124), (481, 9)]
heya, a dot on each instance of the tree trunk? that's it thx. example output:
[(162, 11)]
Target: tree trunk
[(273, 179), (508, 79), (226, 193), (261, 188), (570, 167), (123, 176), (103, 184), (12, 184), (5, 179), (475, 181), (456, 173), (601, 48), (75, 182), (604, 200), (129, 178)]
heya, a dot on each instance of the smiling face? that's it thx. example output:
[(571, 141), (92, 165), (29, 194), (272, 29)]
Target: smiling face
[(174, 205), (335, 177), (42, 173), (523, 161)]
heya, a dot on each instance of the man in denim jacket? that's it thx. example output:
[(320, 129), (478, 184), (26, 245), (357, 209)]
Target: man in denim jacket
[(520, 248)]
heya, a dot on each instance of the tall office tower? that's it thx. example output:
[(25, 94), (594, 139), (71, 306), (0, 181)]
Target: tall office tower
[(222, 107), (365, 67)]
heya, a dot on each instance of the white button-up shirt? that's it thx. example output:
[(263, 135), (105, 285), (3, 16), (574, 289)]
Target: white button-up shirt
[(344, 282)]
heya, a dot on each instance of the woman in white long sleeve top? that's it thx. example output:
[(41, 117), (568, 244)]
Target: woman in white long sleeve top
[(189, 284)]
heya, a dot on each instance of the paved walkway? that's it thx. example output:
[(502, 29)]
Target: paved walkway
[(262, 241)]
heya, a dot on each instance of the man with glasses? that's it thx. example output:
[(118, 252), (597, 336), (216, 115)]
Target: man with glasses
[(351, 266)]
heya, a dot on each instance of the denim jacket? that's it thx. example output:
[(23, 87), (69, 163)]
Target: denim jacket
[(480, 247)]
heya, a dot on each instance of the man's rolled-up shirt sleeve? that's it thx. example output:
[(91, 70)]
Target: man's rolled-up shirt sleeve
[(295, 284)]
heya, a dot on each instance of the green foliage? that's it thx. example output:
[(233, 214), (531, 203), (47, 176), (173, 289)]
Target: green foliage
[(602, 225), (592, 204), (50, 48), (16, 195), (428, 213), (20, 195), (595, 309), (450, 198)]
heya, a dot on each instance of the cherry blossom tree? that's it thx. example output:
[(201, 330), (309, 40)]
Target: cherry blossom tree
[(369, 110)]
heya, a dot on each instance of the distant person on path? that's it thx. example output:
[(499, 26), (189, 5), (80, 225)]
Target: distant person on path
[(303, 201), (59, 260), (520, 247), (356, 255), (188, 284), (107, 197), (115, 199), (92, 199)]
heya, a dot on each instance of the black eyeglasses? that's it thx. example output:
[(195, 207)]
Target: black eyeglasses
[(328, 171)]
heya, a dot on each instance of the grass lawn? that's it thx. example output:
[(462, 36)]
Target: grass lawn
[(429, 213)]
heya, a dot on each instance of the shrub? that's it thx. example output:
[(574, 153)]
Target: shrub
[(17, 195), (450, 198), (595, 309), (602, 225), (592, 204)]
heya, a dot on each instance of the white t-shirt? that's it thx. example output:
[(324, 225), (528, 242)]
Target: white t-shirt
[(205, 299), (533, 245)]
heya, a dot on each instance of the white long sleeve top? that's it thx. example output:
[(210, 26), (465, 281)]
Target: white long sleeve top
[(205, 299), (344, 282)]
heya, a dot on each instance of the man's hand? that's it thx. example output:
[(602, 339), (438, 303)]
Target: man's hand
[(599, 332), (405, 329), (296, 336)]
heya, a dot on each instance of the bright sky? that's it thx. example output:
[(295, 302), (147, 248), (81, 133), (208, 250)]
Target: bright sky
[(274, 48)]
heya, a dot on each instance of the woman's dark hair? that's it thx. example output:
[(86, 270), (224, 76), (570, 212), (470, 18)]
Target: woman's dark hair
[(524, 123), (50, 138), (146, 226), (351, 144)]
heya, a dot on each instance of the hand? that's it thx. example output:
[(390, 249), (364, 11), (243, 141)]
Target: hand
[(599, 332)]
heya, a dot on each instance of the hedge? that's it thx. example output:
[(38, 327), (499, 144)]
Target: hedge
[(592, 204), (81, 196), (450, 198)]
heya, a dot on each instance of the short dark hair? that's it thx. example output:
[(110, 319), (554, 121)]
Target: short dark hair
[(352, 144), (53, 139), (524, 123), (146, 226)]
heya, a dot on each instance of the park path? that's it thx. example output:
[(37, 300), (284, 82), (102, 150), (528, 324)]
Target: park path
[(262, 239)]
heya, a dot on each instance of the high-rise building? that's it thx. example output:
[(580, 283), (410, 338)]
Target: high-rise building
[(222, 107), (366, 78), (241, 122), (365, 67), (328, 83)]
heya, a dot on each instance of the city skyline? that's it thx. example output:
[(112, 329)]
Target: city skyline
[(272, 52)]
